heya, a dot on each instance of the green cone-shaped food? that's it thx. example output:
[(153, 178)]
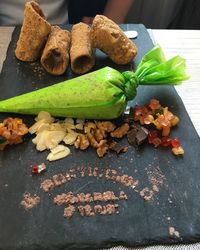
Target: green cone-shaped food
[(102, 94), (95, 95)]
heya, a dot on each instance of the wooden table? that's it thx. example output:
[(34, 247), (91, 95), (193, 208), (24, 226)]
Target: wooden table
[(182, 42)]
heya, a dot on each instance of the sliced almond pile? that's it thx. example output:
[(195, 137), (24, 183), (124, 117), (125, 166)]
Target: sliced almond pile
[(58, 152), (48, 139), (70, 138), (50, 133)]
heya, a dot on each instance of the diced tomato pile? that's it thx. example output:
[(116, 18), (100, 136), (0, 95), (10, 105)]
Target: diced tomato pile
[(12, 131), (162, 120)]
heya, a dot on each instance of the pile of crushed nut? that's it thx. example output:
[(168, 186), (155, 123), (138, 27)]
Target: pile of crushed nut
[(80, 133)]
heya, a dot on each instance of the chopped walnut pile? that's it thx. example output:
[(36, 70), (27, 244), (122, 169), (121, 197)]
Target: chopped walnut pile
[(95, 134)]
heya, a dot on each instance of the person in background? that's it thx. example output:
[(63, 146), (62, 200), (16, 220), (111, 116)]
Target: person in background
[(154, 14), (188, 16), (11, 11), (117, 10), (66, 11), (165, 14), (86, 10)]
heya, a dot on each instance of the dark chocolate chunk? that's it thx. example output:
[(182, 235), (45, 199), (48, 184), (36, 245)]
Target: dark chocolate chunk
[(141, 136), (131, 136), (137, 135), (118, 148)]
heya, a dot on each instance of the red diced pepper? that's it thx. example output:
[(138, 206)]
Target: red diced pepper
[(156, 142), (153, 138), (152, 135), (175, 143), (138, 110), (37, 169), (154, 104), (165, 141), (34, 169)]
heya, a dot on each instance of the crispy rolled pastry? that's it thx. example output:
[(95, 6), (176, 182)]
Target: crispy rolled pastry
[(108, 37), (33, 35), (55, 56), (81, 52)]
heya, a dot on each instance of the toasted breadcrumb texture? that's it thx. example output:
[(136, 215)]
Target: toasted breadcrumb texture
[(34, 32), (108, 37)]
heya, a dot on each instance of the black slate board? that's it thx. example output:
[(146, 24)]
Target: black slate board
[(177, 204)]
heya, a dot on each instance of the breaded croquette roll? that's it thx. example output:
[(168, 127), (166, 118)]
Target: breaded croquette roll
[(108, 37), (55, 56), (81, 52), (33, 35)]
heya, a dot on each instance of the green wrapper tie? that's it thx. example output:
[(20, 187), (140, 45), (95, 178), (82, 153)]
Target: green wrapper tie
[(131, 84)]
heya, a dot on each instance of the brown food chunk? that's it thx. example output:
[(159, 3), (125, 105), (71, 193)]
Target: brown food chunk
[(108, 37), (105, 127), (120, 131), (89, 127), (55, 56), (82, 142), (137, 135), (102, 148), (115, 146), (131, 136), (141, 136), (99, 135), (81, 52), (33, 35), (93, 142)]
